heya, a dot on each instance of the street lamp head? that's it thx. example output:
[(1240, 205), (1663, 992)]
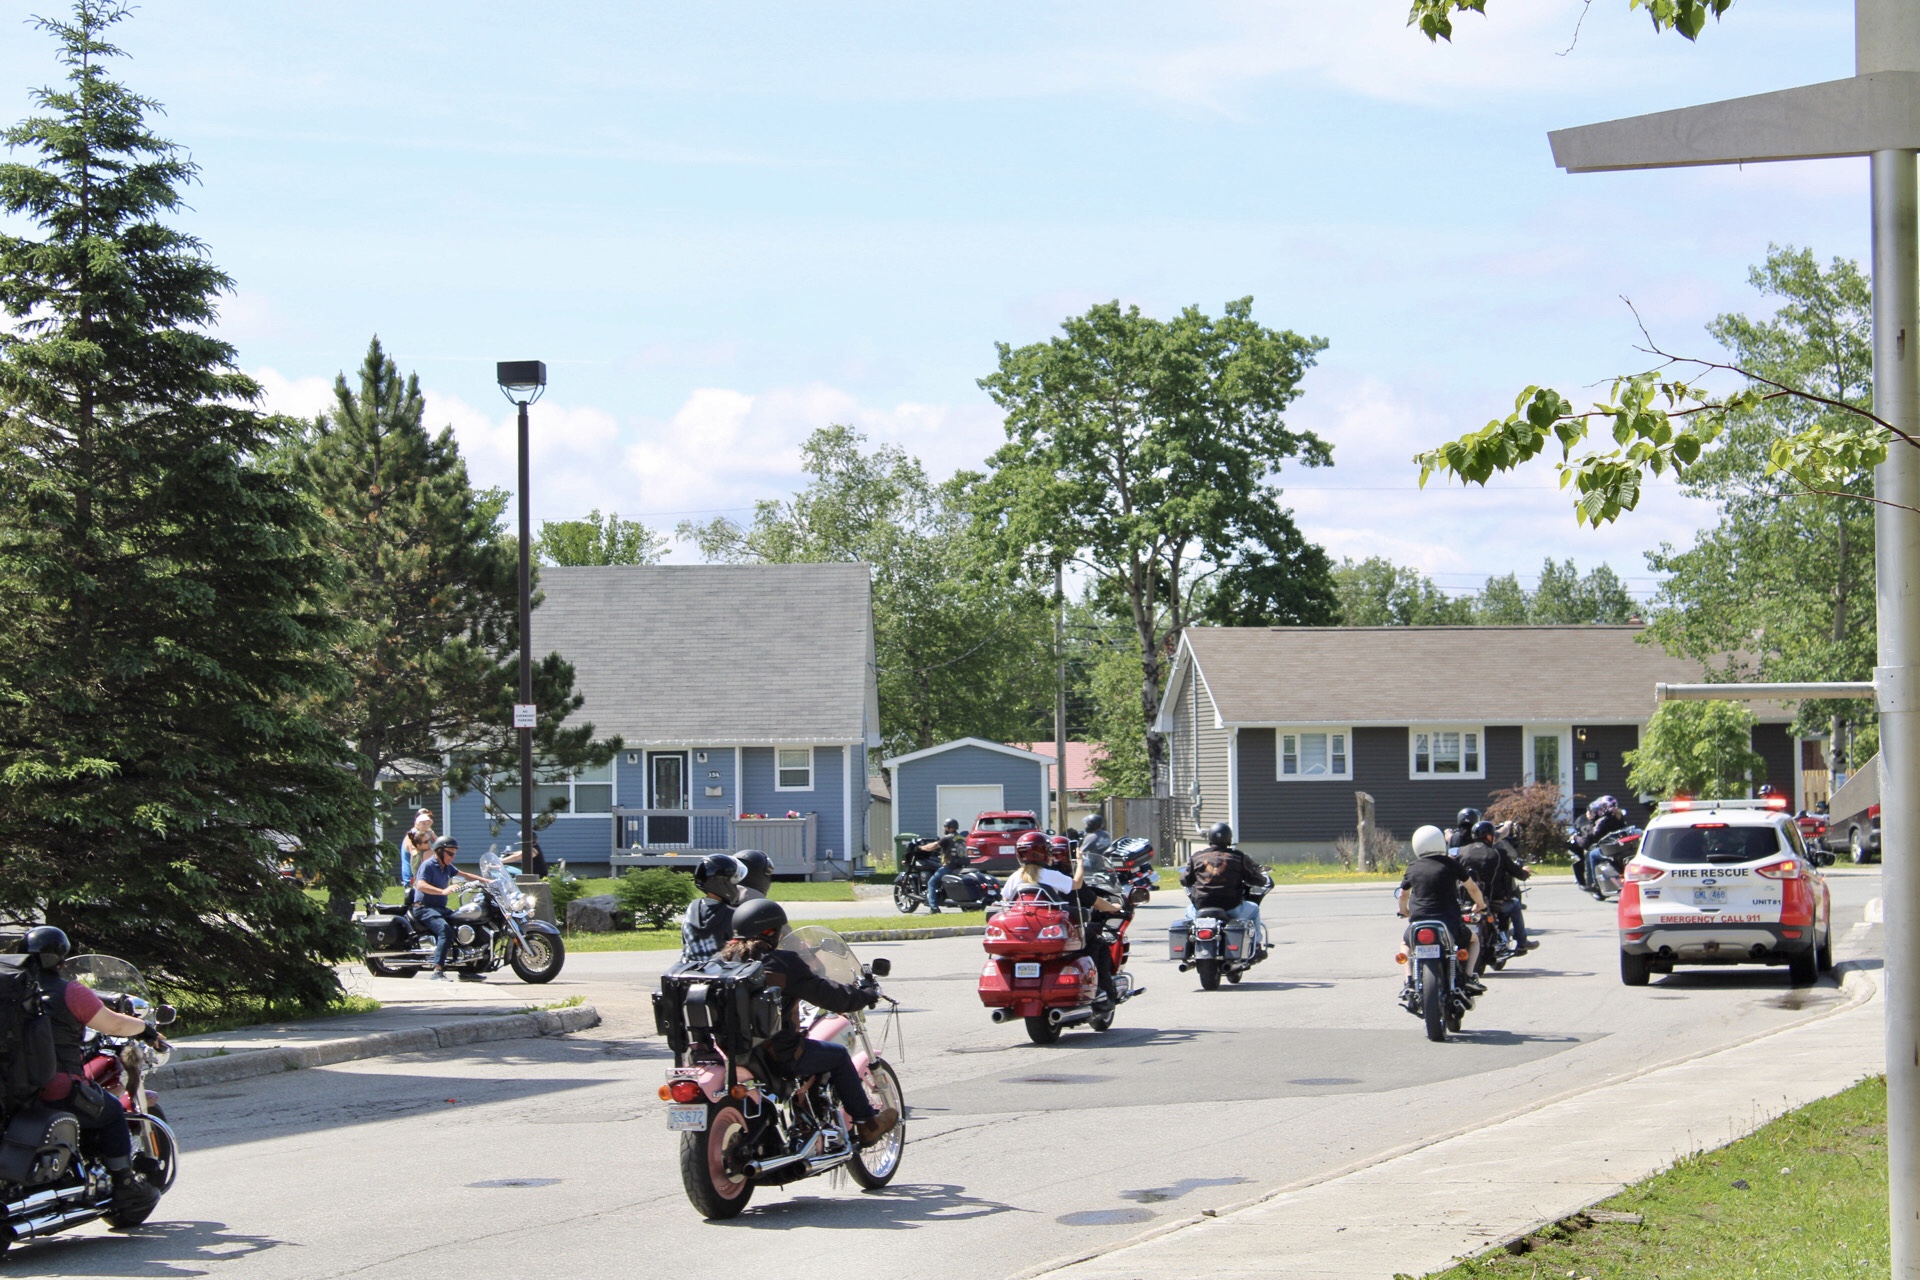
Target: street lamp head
[(521, 381)]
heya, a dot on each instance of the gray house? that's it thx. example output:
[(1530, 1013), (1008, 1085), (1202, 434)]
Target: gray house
[(747, 700), (963, 778), (1274, 729)]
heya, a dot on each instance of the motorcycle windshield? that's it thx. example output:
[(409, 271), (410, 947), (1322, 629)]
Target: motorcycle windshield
[(107, 976), (825, 952)]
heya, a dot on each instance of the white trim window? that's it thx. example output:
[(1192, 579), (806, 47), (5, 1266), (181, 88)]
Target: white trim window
[(1316, 755), (793, 769), (1446, 751), (585, 792)]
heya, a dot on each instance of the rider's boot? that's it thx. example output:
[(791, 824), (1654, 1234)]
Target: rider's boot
[(868, 1132), (132, 1193)]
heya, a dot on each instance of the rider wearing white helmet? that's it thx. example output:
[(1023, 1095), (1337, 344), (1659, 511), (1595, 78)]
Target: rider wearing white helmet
[(1430, 890)]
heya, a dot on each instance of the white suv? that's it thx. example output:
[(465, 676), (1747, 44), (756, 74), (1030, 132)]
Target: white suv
[(1724, 882)]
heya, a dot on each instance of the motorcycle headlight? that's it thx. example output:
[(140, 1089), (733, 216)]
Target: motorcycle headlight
[(522, 903)]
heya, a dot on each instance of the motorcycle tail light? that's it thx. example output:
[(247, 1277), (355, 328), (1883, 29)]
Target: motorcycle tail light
[(1425, 937), (1400, 957), (1461, 955), (1203, 933), (1053, 932), (684, 1091)]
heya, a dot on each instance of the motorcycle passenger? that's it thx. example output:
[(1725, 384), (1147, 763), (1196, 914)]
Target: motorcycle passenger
[(708, 924), (758, 880), (1493, 866), (953, 857), (431, 889), (1462, 832), (1430, 890), (1604, 817), (757, 929), (76, 1010), (1094, 842), (1034, 852), (1219, 876)]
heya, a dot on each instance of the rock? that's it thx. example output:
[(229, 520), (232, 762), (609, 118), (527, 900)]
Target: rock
[(598, 914)]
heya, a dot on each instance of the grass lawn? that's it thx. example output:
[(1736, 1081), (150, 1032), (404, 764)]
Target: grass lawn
[(199, 1016), (1804, 1197), (669, 939)]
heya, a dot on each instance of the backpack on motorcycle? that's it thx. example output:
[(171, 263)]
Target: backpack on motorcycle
[(27, 1062), (728, 1005)]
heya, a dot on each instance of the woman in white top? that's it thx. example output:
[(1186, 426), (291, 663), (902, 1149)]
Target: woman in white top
[(1032, 850)]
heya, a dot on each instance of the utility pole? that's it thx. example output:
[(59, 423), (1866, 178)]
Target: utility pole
[(1060, 695), (1874, 113)]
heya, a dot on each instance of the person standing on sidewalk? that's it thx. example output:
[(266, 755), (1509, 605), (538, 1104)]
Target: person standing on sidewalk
[(416, 846)]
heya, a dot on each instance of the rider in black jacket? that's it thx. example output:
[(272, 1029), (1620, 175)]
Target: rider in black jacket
[(757, 929), (1495, 867)]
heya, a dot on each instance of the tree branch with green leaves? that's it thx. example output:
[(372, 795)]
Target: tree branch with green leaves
[(1688, 17)]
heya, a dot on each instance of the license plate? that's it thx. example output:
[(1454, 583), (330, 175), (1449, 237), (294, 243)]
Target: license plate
[(1709, 897), (1026, 969), (1431, 951), (690, 1119)]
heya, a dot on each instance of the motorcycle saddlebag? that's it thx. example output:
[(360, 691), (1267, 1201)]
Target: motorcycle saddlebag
[(1241, 940), (38, 1146), (731, 1006), (384, 933), (1177, 940)]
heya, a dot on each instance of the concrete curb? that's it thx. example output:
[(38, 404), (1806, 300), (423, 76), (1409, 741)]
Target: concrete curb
[(194, 1072), (911, 935)]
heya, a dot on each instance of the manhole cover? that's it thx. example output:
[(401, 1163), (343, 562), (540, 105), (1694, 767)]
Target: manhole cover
[(1323, 1080), (515, 1182)]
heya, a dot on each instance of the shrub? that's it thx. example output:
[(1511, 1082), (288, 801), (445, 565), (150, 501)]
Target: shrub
[(1534, 809), (656, 894), (1389, 855), (564, 886)]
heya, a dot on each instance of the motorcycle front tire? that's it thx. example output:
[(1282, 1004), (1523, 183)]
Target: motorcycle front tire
[(534, 973), (873, 1167), (905, 899), (703, 1171), (1209, 971), (1433, 999)]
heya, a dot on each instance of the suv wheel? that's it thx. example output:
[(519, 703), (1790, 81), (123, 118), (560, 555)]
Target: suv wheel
[(1856, 846), (1803, 968), (1633, 969)]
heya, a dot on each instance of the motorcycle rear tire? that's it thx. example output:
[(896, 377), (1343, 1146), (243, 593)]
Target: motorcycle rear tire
[(544, 973), (1209, 971), (905, 900), (380, 970), (1433, 999), (1040, 1031), (702, 1157), (885, 1154)]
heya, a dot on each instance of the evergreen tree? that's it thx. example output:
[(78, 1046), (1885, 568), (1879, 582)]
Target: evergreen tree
[(162, 621), (428, 584)]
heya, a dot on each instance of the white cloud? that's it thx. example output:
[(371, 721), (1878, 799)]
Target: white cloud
[(298, 397)]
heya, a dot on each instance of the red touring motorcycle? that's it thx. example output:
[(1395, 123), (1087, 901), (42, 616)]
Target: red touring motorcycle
[(1037, 968), (742, 1125)]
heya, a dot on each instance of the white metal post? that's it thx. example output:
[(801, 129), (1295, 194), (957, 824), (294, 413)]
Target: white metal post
[(1896, 398)]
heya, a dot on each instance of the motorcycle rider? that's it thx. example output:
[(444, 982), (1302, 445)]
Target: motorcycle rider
[(952, 858), (1430, 890), (757, 929), (431, 889), (1219, 876), (1034, 851), (1462, 832), (75, 1010), (1493, 866), (758, 880), (1604, 817), (1094, 842), (708, 923)]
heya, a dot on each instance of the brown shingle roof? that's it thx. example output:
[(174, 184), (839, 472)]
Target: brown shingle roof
[(1399, 675)]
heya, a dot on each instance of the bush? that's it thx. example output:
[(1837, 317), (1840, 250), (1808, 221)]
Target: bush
[(1534, 810), (656, 894), (1389, 855), (564, 886)]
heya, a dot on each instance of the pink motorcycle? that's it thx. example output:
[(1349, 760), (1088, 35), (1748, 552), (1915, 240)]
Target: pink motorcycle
[(744, 1124)]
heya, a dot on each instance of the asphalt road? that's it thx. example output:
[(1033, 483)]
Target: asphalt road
[(551, 1158)]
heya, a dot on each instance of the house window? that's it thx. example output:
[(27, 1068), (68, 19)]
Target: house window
[(1441, 751), (587, 790), (1314, 753), (793, 769)]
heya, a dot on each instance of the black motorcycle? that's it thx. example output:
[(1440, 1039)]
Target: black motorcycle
[(1130, 861), (1217, 946), (1433, 992), (494, 927), (51, 1178), (963, 888)]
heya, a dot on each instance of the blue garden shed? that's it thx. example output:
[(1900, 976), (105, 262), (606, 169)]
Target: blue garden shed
[(963, 778)]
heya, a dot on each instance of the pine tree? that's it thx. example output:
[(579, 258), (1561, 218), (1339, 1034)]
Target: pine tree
[(162, 625)]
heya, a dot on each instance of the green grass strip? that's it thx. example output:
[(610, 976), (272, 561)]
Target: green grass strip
[(669, 939), (1802, 1198)]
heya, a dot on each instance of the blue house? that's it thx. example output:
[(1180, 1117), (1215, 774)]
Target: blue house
[(964, 778), (746, 698)]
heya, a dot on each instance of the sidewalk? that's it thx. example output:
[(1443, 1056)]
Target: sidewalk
[(1417, 1212)]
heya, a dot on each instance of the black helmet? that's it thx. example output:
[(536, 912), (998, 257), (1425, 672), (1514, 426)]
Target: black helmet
[(446, 844), (1483, 831), (761, 918), (758, 868), (1220, 836), (49, 943), (1094, 822), (721, 874), (1467, 818), (950, 825)]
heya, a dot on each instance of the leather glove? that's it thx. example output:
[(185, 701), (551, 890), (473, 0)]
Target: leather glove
[(152, 1036)]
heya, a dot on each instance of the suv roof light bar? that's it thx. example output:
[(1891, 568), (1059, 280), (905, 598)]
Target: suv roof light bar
[(1682, 804)]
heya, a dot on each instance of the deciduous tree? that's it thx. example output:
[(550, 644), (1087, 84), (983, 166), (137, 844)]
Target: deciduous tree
[(1701, 749), (598, 540)]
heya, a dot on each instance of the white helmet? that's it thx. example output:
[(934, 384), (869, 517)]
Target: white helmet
[(1429, 839)]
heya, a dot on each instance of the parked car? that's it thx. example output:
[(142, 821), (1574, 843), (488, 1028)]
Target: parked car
[(990, 842), (1857, 837), (1719, 882)]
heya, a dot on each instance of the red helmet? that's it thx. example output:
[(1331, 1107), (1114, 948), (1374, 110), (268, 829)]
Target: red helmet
[(1032, 847), (1059, 853)]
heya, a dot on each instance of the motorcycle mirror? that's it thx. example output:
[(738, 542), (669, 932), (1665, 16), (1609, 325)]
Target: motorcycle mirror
[(164, 1015), (881, 967)]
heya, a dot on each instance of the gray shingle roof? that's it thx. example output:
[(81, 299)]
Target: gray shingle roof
[(1400, 675), (716, 654)]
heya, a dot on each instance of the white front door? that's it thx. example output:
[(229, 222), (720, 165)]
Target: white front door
[(962, 804), (1549, 759)]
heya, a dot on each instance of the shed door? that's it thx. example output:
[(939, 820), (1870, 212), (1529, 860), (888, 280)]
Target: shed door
[(964, 803)]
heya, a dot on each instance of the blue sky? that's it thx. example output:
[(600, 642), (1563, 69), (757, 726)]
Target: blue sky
[(725, 225)]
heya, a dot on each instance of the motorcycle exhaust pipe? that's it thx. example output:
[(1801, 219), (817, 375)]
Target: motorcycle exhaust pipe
[(1000, 1015), (804, 1155), (33, 1228), (1067, 1017)]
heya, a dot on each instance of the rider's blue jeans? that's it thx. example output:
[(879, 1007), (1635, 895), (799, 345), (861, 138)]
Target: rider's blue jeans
[(1248, 910), (933, 888), (818, 1058), (434, 921)]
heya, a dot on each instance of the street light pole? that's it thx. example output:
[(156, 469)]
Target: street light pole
[(523, 381)]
